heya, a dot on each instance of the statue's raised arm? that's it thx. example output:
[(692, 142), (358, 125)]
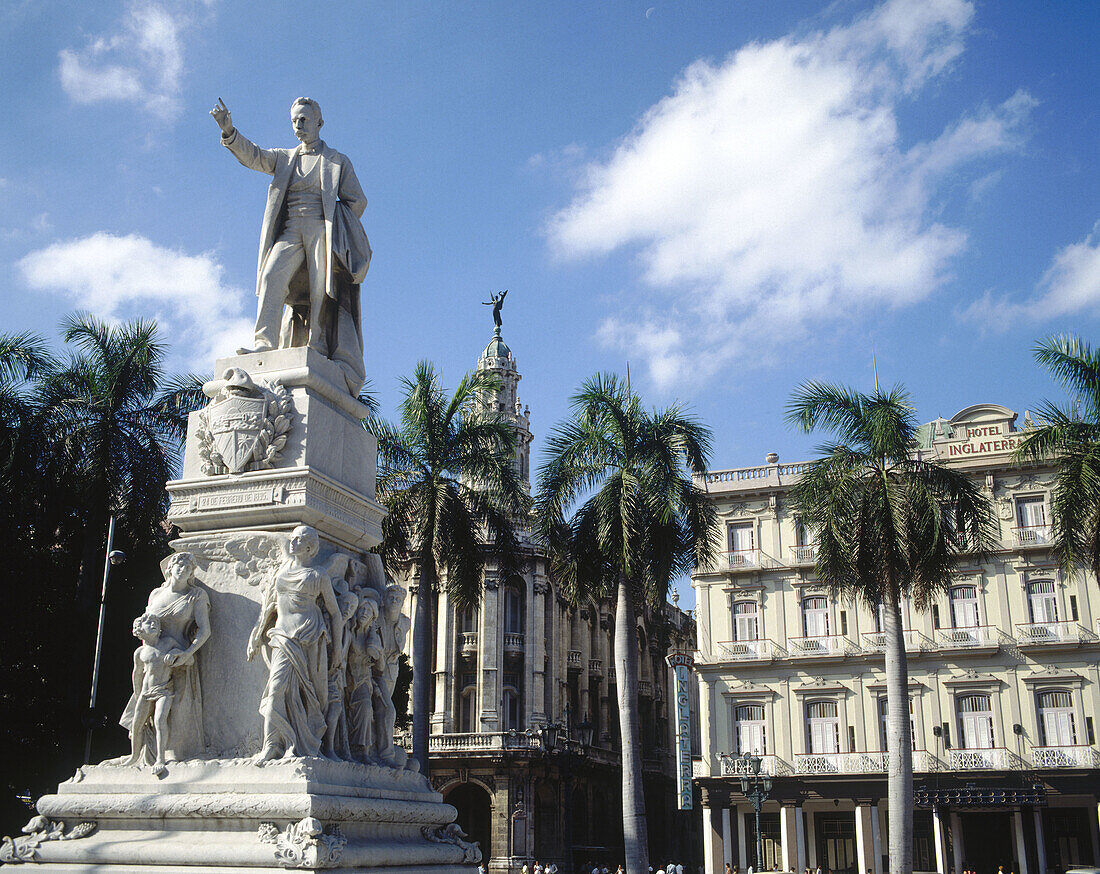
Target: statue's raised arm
[(314, 253)]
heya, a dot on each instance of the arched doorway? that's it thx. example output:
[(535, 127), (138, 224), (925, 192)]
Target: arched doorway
[(474, 813)]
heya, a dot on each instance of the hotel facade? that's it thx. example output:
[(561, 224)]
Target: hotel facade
[(1003, 682)]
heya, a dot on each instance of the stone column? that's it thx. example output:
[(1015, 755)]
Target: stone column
[(537, 648), (713, 851), (443, 713), (1018, 840), (876, 835), (790, 826), (742, 839), (957, 842), (489, 657), (941, 841), (811, 842), (727, 844), (865, 840), (706, 727), (1040, 840), (530, 635)]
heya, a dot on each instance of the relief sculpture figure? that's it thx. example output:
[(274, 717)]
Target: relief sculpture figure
[(314, 253), (294, 636), (153, 690), (182, 610), (392, 629), (364, 654)]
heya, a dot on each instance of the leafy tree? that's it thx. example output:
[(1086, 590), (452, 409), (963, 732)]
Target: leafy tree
[(114, 423), (642, 523), (447, 476), (82, 436), (889, 526), (1069, 436)]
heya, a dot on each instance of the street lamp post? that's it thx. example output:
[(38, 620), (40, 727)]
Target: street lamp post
[(113, 557), (756, 789)]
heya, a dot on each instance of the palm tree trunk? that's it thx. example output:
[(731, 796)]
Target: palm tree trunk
[(422, 662), (898, 740), (635, 832)]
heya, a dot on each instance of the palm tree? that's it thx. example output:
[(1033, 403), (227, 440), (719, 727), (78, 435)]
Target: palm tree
[(114, 424), (1070, 437), (643, 523), (889, 526), (447, 476)]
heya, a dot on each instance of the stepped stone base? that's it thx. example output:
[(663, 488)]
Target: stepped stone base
[(236, 816)]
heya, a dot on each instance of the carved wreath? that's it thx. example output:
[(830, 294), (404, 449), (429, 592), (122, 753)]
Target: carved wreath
[(14, 851), (268, 433)]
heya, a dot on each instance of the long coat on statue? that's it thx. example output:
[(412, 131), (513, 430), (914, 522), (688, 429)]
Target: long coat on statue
[(343, 203)]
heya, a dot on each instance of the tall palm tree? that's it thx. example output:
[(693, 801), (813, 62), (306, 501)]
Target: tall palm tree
[(447, 475), (114, 422), (643, 522), (1070, 437), (889, 526)]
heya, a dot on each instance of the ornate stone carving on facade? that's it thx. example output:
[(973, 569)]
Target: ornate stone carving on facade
[(245, 426), (24, 848), (541, 587), (453, 834), (304, 844)]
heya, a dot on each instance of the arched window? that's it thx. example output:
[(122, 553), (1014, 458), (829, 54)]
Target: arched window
[(975, 722), (1042, 603), (468, 620), (750, 728), (884, 713), (964, 606), (823, 727), (815, 616), (745, 623), (513, 609), (1057, 727)]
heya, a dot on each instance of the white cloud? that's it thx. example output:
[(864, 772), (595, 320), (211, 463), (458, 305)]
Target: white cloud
[(142, 62), (771, 191), (1071, 284), (118, 277)]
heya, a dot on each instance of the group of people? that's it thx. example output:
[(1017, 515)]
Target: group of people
[(332, 650), (330, 631)]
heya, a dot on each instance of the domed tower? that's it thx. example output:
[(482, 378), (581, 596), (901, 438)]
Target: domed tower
[(498, 359)]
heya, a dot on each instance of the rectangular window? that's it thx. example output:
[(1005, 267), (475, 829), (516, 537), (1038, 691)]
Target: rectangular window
[(815, 616), (1031, 512), (844, 622), (746, 625), (823, 727), (742, 537), (1073, 608)]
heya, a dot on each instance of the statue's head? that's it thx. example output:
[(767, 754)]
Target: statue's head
[(305, 118), (368, 608), (147, 627), (395, 597), (305, 541), (180, 565)]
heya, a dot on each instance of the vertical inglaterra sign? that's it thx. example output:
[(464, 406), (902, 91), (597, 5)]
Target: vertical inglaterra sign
[(682, 664)]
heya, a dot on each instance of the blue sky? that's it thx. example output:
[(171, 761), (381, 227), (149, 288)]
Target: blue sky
[(734, 197)]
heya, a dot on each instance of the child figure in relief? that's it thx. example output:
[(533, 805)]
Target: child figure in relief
[(152, 691)]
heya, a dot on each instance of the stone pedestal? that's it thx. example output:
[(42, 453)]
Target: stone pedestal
[(280, 445)]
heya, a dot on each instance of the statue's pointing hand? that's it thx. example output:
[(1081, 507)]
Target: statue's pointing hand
[(221, 115)]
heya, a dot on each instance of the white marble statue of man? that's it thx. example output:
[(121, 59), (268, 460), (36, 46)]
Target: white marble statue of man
[(393, 625), (313, 250)]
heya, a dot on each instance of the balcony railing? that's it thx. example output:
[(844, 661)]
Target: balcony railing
[(513, 643), (924, 762), (974, 636), (483, 742), (840, 763), (991, 759), (1031, 535), (736, 766), (595, 667), (1052, 632), (822, 645), (699, 768), (573, 659), (747, 559), (645, 688), (748, 650), (469, 643), (1076, 756), (914, 641), (806, 554)]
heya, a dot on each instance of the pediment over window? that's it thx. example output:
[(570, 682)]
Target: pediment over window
[(973, 678), (1054, 675)]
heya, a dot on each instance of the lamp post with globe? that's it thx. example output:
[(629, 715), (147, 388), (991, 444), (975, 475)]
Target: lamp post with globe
[(756, 788)]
